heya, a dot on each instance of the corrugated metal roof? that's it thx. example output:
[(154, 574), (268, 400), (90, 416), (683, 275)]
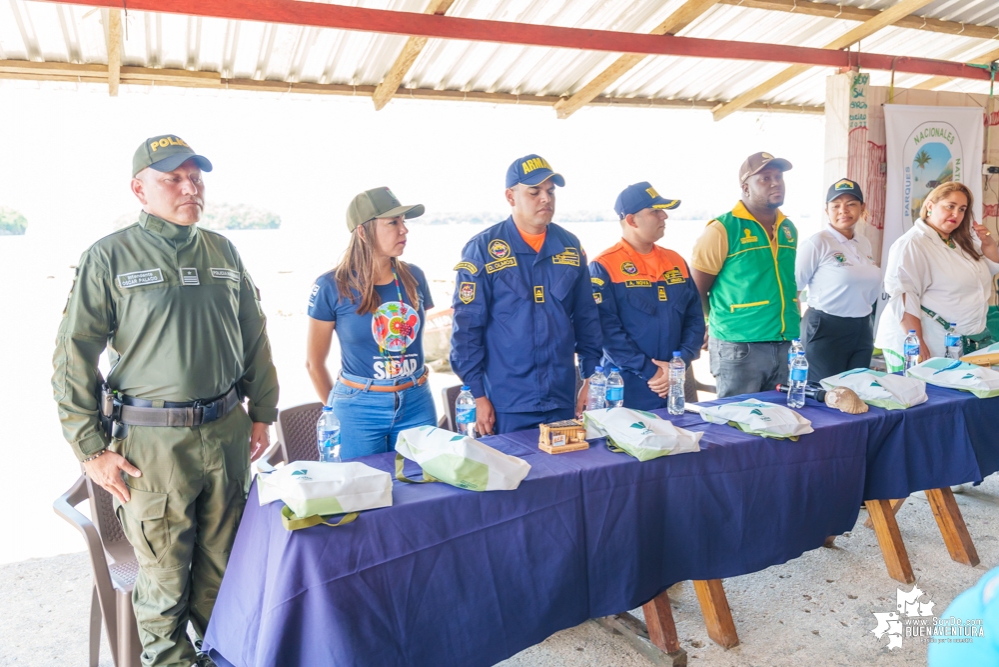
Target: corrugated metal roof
[(58, 33)]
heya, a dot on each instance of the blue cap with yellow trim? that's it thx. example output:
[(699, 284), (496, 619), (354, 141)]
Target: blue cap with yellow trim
[(844, 186), (532, 170), (640, 196)]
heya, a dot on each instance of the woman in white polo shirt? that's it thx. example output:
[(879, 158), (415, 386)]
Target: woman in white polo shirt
[(940, 271), (843, 282)]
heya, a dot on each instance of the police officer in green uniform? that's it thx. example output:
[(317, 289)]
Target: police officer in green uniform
[(168, 437)]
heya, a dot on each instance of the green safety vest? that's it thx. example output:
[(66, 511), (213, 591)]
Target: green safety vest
[(754, 297)]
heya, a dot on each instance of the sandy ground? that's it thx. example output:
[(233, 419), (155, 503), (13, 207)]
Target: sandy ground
[(814, 610)]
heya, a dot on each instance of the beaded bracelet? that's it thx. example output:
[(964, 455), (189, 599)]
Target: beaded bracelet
[(91, 458)]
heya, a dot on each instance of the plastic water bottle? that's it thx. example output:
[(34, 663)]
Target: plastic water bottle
[(799, 378), (615, 388), (792, 352), (596, 399), (328, 436), (910, 349), (952, 342), (464, 412), (677, 377)]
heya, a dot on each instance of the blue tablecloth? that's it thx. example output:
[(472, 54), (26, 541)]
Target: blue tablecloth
[(453, 577)]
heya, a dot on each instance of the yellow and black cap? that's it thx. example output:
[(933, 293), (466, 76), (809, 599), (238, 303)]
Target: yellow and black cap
[(759, 161), (165, 153), (378, 203), (639, 196), (844, 186)]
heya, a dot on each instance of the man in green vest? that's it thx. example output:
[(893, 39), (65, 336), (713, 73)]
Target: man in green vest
[(743, 265), (167, 434)]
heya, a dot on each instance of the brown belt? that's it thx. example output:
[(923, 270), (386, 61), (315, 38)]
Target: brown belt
[(386, 388)]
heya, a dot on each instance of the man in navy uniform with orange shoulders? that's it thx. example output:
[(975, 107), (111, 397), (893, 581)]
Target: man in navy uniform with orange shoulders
[(649, 306), (523, 310)]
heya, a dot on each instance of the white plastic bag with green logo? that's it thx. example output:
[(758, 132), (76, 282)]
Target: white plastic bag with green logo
[(759, 418), (313, 489), (641, 434), (982, 382), (458, 460), (880, 389)]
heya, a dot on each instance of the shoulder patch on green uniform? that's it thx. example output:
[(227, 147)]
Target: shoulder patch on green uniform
[(466, 292), (468, 266)]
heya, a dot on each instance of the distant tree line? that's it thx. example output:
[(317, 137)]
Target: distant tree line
[(12, 223), (224, 216)]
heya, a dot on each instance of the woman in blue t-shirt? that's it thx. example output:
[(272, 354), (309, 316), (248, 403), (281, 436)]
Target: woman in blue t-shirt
[(376, 304)]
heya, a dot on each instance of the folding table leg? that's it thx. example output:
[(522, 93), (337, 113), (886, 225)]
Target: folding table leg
[(952, 526), (896, 505), (717, 615), (656, 639), (659, 621), (890, 540)]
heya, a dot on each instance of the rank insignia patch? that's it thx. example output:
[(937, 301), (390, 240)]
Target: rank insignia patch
[(539, 294), (662, 293), (466, 292), (189, 277)]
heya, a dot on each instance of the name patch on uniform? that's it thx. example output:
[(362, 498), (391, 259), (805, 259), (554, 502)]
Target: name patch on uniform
[(674, 277), (539, 294), (493, 267), (569, 257), (189, 277), (466, 292), (228, 274), (747, 237), (499, 248), (137, 278), (597, 281), (468, 266), (598, 297), (638, 283), (629, 268), (662, 293)]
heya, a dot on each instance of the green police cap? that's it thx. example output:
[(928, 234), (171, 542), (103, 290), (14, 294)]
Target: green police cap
[(165, 153), (378, 203)]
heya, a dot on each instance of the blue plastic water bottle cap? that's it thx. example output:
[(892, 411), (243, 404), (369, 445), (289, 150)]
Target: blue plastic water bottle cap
[(801, 353), (599, 369), (912, 331), (676, 354), (465, 387), (796, 340), (327, 408), (615, 369), (953, 325)]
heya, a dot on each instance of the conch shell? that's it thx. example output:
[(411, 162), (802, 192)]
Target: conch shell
[(846, 400)]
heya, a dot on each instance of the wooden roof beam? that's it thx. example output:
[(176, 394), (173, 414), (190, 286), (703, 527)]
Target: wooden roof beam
[(937, 81), (114, 51), (410, 52), (865, 29), (845, 12), (673, 24)]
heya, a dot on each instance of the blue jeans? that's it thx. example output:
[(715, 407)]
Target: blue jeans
[(370, 421)]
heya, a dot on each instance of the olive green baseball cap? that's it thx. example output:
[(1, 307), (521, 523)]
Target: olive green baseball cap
[(165, 153), (378, 203)]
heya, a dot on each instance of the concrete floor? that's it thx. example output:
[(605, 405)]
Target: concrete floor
[(814, 610)]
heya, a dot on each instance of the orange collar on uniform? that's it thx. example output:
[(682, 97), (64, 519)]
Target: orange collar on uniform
[(623, 263)]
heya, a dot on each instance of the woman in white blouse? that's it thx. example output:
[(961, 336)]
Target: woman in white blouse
[(843, 282), (939, 271)]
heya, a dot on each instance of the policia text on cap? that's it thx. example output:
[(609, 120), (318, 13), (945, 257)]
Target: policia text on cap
[(185, 333)]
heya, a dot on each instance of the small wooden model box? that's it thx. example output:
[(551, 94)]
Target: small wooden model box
[(564, 436)]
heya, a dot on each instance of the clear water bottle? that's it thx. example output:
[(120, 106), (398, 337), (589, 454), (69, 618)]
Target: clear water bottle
[(799, 378), (910, 349), (677, 377), (952, 342), (792, 352), (328, 436), (597, 397), (615, 388), (464, 412)]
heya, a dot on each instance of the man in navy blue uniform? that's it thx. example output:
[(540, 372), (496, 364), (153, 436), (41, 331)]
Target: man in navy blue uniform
[(649, 306), (523, 309)]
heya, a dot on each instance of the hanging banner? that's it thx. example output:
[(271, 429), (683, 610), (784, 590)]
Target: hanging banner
[(928, 146)]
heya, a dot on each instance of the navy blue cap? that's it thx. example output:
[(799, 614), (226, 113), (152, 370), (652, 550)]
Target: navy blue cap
[(532, 170), (640, 196), (844, 186)]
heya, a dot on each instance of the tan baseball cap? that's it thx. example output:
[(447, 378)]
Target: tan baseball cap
[(757, 161), (378, 203)]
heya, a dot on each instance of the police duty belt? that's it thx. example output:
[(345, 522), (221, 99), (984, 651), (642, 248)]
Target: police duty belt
[(130, 411)]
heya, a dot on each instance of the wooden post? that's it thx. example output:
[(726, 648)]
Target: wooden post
[(114, 51), (952, 526), (890, 540), (717, 615)]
